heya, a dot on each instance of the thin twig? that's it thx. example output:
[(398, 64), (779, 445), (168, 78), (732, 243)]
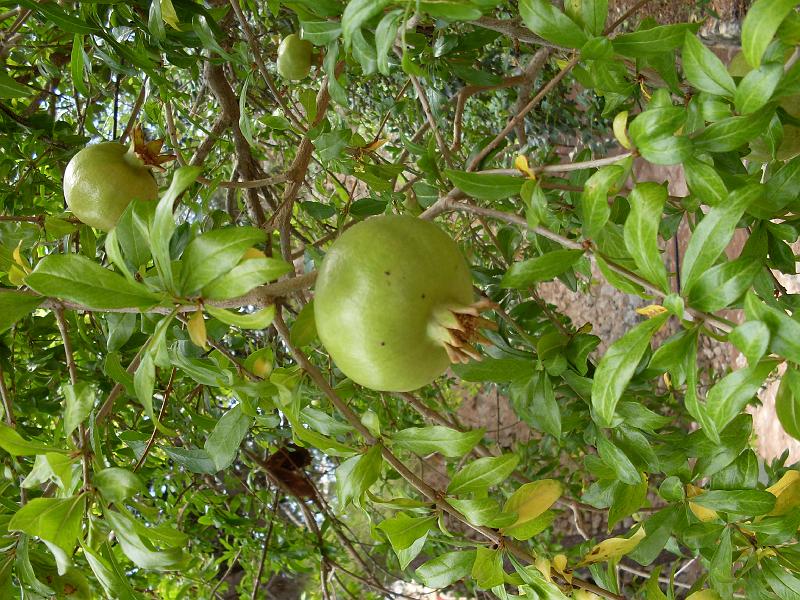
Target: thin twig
[(449, 203), (73, 377), (161, 413), (137, 106), (255, 48), (257, 580), (437, 497), (6, 398), (225, 575)]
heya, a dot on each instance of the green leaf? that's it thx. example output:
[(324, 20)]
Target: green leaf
[(731, 394), (667, 150), (144, 379), (355, 475), (594, 199), (641, 231), (704, 182), (56, 520), (549, 23), (483, 473), (16, 445), (617, 367), (652, 42), (487, 571), (482, 512), (163, 223), (402, 531), (733, 132), (783, 583), (435, 438), (723, 284), (77, 65), (704, 69), (446, 569), (109, 573), (498, 370), (140, 550), (9, 88), (535, 403), (542, 268), (594, 13), (320, 33), (116, 484), (713, 233), (452, 10), (756, 88), (357, 13), (61, 19), (304, 328), (760, 24), (751, 339), (245, 276), (385, 34), (530, 501), (76, 278), (658, 529), (79, 400), (743, 502), (214, 254), (224, 441), (784, 330), (787, 402), (260, 319), (195, 460), (15, 305), (485, 186), (615, 458)]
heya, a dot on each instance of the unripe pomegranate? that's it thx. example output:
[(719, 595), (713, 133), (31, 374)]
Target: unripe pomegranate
[(394, 304), (294, 58)]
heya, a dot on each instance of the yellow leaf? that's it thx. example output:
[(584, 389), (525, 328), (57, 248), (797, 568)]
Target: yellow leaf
[(543, 565), (613, 548), (375, 145), (584, 595), (701, 512), (653, 310), (788, 500), (704, 595), (784, 482), (620, 129), (197, 328), (530, 501), (253, 253), (16, 275), (24, 264), (521, 163), (169, 15), (560, 566)]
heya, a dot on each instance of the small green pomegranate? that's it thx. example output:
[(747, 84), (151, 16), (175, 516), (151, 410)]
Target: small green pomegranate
[(102, 179), (294, 58), (394, 304)]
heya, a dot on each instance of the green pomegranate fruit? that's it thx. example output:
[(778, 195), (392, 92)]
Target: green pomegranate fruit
[(394, 304), (294, 58), (102, 179)]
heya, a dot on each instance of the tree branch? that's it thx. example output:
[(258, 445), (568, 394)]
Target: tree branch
[(436, 497)]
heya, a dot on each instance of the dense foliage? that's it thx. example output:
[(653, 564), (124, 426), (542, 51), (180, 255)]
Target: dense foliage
[(172, 426)]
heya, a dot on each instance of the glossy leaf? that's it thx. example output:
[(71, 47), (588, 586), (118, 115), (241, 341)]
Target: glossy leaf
[(617, 367)]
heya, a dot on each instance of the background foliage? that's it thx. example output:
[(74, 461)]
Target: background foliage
[(172, 426)]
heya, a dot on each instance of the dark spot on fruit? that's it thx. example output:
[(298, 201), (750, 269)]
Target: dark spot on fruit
[(383, 343), (423, 295), (386, 273)]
